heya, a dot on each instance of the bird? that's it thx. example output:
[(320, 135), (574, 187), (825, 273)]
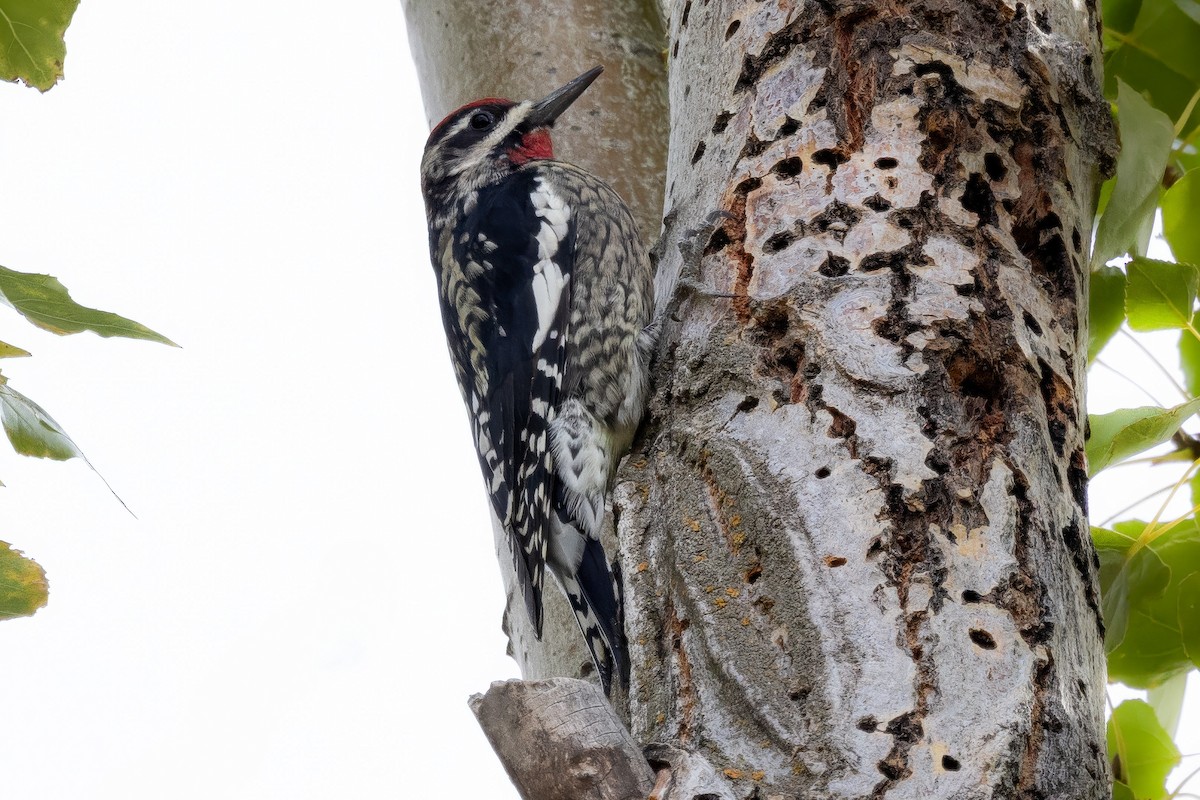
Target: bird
[(546, 296)]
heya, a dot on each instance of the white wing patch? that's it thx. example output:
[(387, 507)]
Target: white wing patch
[(548, 279)]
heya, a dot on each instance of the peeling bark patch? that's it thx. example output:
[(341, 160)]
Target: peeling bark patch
[(834, 266), (699, 153), (1077, 478), (1060, 405), (994, 166), (877, 202), (775, 50), (830, 158), (979, 199), (905, 730), (983, 639), (732, 29), (1039, 721), (788, 167), (950, 764), (780, 241), (735, 235), (1078, 542), (717, 242), (842, 426), (785, 360), (687, 692), (887, 162), (721, 122)]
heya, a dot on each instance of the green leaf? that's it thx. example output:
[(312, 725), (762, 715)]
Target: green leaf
[(1167, 701), (1159, 295), (1120, 15), (1189, 7), (1126, 432), (46, 303), (1189, 358), (1142, 753), (31, 40), (31, 431), (1106, 308), (1189, 616), (1146, 137), (23, 587), (1127, 583), (11, 351), (1180, 211), (1154, 52), (1145, 592), (1164, 31), (1122, 792)]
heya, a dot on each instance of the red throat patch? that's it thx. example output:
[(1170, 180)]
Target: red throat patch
[(534, 145)]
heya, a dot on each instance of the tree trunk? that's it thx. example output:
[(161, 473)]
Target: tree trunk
[(854, 534), (524, 50)]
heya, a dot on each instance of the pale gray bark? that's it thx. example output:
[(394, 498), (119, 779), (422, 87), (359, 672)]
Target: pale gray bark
[(864, 563), (853, 534)]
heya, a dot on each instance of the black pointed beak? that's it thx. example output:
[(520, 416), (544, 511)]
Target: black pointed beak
[(546, 110)]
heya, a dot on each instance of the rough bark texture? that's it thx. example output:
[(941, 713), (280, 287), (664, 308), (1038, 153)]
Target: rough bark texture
[(853, 536), (855, 541), (560, 740), (524, 49)]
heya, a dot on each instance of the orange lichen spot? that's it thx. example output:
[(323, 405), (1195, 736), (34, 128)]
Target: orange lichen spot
[(746, 621), (640, 464), (834, 561), (642, 567), (757, 775), (735, 520), (694, 524), (738, 539), (721, 602), (699, 558), (709, 589), (732, 592), (660, 719), (733, 774)]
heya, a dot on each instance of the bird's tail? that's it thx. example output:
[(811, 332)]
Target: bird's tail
[(595, 599)]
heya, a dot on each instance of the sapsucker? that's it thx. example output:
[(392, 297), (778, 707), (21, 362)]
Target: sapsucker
[(547, 298)]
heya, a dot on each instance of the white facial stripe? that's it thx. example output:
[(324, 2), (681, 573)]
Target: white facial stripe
[(484, 148)]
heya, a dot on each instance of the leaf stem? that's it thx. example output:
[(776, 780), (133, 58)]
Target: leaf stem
[(1131, 382), (1186, 115), (1166, 372), (1132, 505)]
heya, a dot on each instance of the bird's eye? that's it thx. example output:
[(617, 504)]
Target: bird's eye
[(481, 120)]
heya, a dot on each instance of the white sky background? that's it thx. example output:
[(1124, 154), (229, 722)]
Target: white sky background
[(309, 593)]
